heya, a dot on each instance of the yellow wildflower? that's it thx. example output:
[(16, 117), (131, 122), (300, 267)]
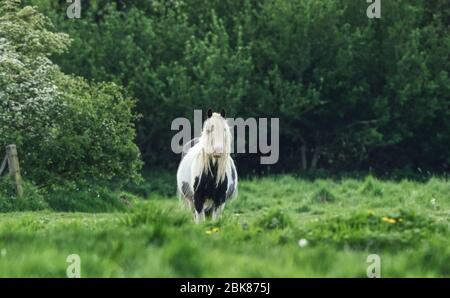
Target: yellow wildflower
[(212, 230), (389, 220)]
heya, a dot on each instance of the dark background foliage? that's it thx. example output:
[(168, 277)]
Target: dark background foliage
[(351, 93)]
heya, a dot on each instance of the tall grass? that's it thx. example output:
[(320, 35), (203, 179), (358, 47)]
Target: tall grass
[(405, 222)]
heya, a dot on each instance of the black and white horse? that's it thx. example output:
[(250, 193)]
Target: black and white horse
[(206, 176)]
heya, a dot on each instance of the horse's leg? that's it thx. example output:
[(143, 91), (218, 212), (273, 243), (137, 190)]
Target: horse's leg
[(199, 202), (199, 216), (219, 199), (190, 205), (217, 212)]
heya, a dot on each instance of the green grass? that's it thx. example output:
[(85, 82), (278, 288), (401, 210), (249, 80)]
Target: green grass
[(405, 222)]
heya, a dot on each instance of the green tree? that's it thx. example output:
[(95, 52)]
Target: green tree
[(66, 129), (350, 92)]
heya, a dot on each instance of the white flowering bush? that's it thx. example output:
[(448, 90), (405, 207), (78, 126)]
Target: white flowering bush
[(66, 129)]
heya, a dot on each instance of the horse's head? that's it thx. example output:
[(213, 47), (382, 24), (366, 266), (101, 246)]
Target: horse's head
[(216, 135)]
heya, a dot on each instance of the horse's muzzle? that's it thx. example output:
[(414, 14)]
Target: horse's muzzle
[(217, 155)]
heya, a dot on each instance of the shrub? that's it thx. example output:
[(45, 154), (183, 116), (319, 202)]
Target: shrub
[(323, 195), (88, 199), (152, 213), (274, 219), (65, 129), (31, 200), (371, 187), (158, 181)]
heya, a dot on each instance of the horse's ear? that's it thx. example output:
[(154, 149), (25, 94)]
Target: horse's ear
[(223, 113), (209, 113)]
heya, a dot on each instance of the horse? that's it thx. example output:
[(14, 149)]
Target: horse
[(207, 176)]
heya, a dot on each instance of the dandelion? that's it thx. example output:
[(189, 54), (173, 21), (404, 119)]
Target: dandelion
[(389, 220), (302, 243), (212, 231)]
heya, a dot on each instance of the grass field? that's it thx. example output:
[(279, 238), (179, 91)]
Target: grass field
[(343, 221)]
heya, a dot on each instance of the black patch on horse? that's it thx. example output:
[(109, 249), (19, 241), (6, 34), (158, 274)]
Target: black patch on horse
[(206, 188)]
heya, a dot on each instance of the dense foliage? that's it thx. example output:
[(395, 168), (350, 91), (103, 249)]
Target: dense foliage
[(350, 92), (66, 129)]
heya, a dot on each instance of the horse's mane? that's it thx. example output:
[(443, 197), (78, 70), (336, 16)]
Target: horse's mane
[(188, 146)]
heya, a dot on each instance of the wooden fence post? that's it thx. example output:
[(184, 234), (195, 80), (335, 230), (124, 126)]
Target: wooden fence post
[(14, 168)]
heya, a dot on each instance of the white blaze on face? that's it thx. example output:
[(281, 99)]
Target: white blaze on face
[(216, 136), (216, 141)]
